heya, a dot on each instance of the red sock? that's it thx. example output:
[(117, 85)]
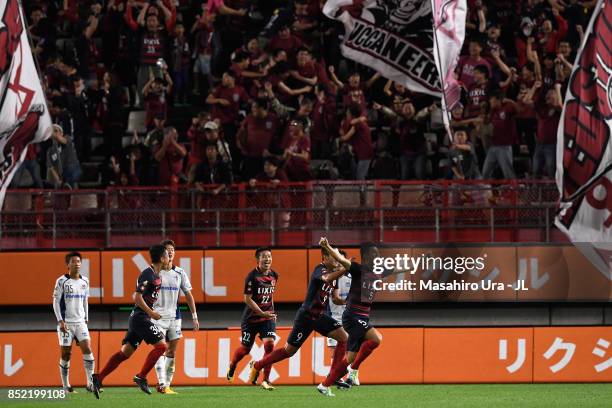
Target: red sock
[(152, 358), (113, 363), (268, 347), (338, 367), (367, 347), (239, 354), (274, 357)]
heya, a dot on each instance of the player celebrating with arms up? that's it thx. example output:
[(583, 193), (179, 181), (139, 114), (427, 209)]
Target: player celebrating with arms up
[(140, 326), (258, 316), (71, 307), (363, 338), (310, 317), (172, 280)]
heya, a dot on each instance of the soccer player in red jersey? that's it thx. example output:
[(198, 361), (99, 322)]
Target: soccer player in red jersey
[(310, 316), (140, 325), (363, 338), (258, 316)]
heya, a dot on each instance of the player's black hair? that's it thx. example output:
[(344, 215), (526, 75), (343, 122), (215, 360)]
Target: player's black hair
[(303, 49), (156, 252), (69, 255), (343, 252), (167, 242), (365, 247), (273, 161), (259, 250)]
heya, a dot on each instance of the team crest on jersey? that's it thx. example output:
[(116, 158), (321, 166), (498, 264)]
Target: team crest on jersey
[(268, 125), (236, 97), (502, 115), (83, 286)]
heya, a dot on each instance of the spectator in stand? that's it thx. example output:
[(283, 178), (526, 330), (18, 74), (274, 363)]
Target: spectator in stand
[(198, 142), (548, 108), (155, 93), (80, 107), (462, 156), (286, 41), (152, 39), (354, 91), (272, 173), (181, 54), (502, 117), (255, 137), (63, 167), (170, 156), (468, 63), (202, 32), (548, 37), (86, 52), (226, 100), (308, 71), (324, 125), (297, 152), (477, 92), (211, 129), (42, 34), (111, 113), (280, 87), (213, 171), (355, 130), (232, 25)]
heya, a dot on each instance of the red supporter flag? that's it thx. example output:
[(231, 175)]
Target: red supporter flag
[(584, 148), (24, 116)]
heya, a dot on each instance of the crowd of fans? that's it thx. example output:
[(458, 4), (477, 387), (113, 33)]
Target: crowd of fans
[(258, 91)]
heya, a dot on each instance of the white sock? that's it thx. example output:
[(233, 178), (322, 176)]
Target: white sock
[(169, 370), (160, 370), (64, 372), (90, 365)]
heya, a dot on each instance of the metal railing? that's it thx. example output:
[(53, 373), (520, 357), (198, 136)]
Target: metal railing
[(285, 214)]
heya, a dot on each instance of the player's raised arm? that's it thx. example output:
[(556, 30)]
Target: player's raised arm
[(346, 263)]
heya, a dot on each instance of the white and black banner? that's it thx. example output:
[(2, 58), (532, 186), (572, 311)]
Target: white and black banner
[(394, 37), (24, 117), (584, 146)]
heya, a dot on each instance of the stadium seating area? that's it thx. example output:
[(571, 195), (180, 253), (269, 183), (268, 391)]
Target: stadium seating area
[(142, 88)]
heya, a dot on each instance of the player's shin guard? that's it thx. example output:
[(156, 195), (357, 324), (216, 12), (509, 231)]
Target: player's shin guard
[(239, 354), (274, 357), (367, 347), (160, 370), (268, 348), (154, 355), (90, 365), (169, 370), (64, 367), (339, 364), (113, 363)]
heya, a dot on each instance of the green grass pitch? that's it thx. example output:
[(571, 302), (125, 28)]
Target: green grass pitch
[(381, 396)]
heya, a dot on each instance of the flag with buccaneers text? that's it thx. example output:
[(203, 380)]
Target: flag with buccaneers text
[(24, 117), (584, 144)]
